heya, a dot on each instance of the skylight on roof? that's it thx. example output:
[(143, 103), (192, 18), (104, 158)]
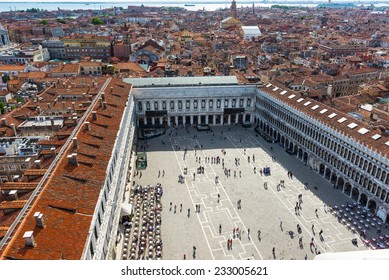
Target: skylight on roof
[(269, 85), (315, 107), (333, 115), (283, 92), (376, 136), (307, 103), (363, 131), (275, 88), (352, 125), (300, 99), (323, 111), (292, 96), (342, 120)]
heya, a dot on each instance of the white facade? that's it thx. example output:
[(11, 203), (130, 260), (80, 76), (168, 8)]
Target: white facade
[(189, 105), (101, 239)]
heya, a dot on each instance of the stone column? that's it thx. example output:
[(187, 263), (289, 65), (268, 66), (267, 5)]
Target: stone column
[(160, 120), (206, 119), (191, 120), (152, 121), (236, 118), (221, 120), (176, 119), (199, 119), (214, 119), (184, 119), (168, 120), (145, 121), (229, 119), (251, 118)]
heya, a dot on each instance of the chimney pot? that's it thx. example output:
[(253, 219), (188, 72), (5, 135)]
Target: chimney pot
[(105, 105), (13, 129), (101, 102), (94, 115), (75, 142), (72, 159), (13, 194), (39, 219), (37, 163), (87, 126), (73, 106), (29, 238), (3, 121)]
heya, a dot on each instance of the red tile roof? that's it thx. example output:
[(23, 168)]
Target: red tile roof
[(69, 197)]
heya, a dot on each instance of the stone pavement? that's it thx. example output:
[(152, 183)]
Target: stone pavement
[(261, 208)]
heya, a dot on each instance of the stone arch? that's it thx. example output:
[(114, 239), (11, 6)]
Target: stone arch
[(347, 188), (334, 178), (372, 206), (172, 121), (363, 199), (282, 140), (328, 174), (355, 194), (322, 169), (300, 154), (340, 183)]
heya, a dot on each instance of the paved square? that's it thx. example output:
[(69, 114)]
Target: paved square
[(269, 209)]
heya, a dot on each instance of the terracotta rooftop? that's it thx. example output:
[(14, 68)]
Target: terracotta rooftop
[(69, 197)]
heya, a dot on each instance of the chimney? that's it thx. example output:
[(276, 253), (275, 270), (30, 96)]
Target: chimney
[(39, 219), (37, 163), (101, 102), (63, 105), (4, 121), (329, 90), (52, 122), (48, 105), (39, 109), (15, 178), (74, 120), (29, 238), (87, 126), (52, 149), (72, 159), (75, 142), (13, 194), (94, 115), (73, 106), (111, 89), (13, 128), (105, 105), (103, 96)]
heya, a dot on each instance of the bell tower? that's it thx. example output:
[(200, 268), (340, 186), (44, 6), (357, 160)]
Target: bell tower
[(233, 9)]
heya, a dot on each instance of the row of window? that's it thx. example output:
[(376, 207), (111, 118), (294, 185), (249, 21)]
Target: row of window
[(13, 167), (343, 149), (196, 103), (331, 160)]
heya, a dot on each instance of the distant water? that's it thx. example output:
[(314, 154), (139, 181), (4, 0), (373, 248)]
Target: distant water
[(199, 5), (211, 5)]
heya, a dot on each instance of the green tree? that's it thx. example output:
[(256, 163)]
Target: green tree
[(2, 106), (5, 78), (61, 20), (97, 21), (43, 21)]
